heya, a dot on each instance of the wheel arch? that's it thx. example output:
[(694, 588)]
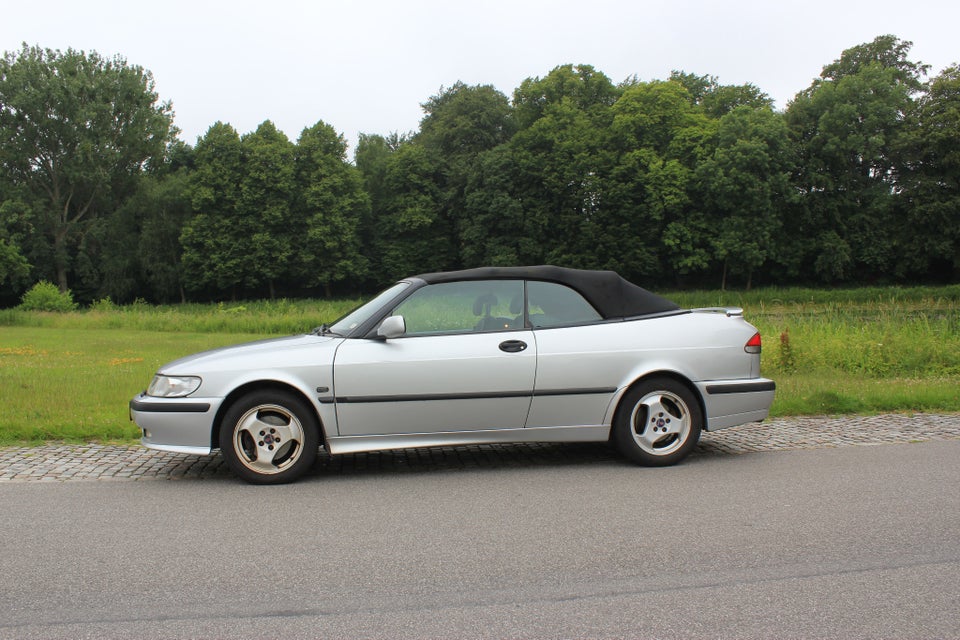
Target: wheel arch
[(663, 373), (260, 385)]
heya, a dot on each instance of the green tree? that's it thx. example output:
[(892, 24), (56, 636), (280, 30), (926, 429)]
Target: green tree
[(134, 250), (661, 136), (460, 124), (846, 128), (372, 157), (465, 120), (243, 234), (558, 182), (653, 115), (15, 216), (106, 265), (333, 205), (495, 230), (160, 208), (930, 201), (744, 185), (586, 88), (14, 266), (265, 207), (412, 234), (214, 240), (887, 52), (665, 233), (164, 205), (76, 130), (539, 196), (716, 99)]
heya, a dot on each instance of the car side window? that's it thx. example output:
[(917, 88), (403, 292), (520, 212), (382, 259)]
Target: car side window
[(556, 305), (463, 307)]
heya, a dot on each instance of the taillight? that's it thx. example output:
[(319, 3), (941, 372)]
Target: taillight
[(753, 344)]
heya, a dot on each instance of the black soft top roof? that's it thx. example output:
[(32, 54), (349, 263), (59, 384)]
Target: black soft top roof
[(611, 295)]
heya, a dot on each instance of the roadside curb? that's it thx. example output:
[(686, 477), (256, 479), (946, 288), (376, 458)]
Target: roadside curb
[(61, 463)]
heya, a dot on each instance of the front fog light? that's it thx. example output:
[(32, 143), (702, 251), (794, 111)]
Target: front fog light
[(172, 386)]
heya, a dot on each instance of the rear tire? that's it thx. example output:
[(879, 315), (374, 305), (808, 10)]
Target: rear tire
[(269, 437), (658, 423)]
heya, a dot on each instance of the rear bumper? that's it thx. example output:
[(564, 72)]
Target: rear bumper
[(732, 402), (182, 425)]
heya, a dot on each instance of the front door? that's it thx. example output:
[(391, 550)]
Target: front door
[(465, 364)]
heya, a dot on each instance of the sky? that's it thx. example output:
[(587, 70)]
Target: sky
[(367, 66)]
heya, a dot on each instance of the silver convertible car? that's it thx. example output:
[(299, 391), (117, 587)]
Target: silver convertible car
[(500, 354)]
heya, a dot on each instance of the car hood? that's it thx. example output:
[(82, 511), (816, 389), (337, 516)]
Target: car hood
[(259, 353)]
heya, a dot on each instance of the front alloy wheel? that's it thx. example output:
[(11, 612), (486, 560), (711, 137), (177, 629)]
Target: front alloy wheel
[(269, 437), (658, 423)]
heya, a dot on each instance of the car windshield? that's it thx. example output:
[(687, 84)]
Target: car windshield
[(361, 314)]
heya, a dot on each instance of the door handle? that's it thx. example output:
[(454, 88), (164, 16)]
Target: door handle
[(513, 346)]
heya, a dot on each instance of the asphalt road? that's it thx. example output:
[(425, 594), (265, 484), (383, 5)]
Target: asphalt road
[(853, 542)]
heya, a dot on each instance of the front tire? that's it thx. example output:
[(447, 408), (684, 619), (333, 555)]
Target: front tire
[(658, 423), (269, 437)]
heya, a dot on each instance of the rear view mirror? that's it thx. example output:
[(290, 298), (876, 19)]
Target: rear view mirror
[(392, 327)]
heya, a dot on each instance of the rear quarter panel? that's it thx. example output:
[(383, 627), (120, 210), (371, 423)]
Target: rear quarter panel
[(697, 346)]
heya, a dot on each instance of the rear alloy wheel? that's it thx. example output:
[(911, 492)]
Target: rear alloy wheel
[(269, 437), (658, 423)]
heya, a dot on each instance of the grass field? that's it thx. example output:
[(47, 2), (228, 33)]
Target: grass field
[(68, 377)]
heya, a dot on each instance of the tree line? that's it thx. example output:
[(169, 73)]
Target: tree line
[(673, 183)]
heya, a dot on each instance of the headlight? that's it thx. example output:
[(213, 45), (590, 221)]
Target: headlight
[(172, 386)]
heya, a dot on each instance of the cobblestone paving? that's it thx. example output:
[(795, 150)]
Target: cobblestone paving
[(59, 463)]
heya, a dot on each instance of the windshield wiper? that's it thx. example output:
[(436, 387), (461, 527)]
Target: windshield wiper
[(324, 330)]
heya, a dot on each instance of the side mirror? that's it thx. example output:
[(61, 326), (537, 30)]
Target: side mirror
[(392, 327)]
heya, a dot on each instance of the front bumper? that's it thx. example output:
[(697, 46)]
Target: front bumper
[(181, 425)]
